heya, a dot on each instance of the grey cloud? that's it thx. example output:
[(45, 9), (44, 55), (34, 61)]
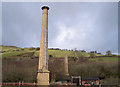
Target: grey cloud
[(89, 26)]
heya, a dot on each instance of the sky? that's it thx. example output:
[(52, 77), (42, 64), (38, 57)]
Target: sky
[(83, 25)]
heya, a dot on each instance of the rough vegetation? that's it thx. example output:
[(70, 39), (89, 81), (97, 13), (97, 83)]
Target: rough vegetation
[(20, 64)]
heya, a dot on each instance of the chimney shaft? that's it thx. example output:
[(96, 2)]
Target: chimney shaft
[(66, 65), (43, 73)]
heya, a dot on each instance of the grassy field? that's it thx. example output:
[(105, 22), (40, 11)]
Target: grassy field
[(10, 51), (13, 52), (61, 53)]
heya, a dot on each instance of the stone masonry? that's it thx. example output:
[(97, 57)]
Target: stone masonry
[(43, 73), (66, 65)]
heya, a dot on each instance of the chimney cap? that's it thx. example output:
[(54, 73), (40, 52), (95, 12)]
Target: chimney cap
[(45, 7)]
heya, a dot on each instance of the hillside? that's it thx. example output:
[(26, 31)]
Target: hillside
[(11, 51), (21, 64)]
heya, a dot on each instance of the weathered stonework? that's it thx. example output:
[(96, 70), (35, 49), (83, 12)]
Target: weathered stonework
[(43, 78), (43, 73), (66, 65)]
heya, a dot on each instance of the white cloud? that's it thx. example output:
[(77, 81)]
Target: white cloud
[(65, 36)]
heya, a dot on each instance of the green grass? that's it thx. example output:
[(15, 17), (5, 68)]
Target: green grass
[(105, 59), (56, 53), (9, 48), (61, 53), (14, 51)]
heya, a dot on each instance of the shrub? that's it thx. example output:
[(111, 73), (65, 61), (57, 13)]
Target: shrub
[(32, 48), (38, 48), (50, 56)]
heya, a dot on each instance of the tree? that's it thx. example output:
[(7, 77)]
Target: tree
[(108, 52)]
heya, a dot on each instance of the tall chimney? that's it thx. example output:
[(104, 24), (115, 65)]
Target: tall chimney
[(43, 73), (66, 65)]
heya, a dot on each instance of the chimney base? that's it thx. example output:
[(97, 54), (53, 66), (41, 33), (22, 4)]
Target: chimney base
[(43, 78)]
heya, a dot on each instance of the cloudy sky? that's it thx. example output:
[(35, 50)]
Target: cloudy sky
[(84, 25)]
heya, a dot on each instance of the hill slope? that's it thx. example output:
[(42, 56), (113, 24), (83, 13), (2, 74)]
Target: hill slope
[(11, 51), (21, 64)]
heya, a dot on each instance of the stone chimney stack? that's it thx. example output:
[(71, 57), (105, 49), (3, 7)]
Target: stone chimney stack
[(66, 65), (43, 73)]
